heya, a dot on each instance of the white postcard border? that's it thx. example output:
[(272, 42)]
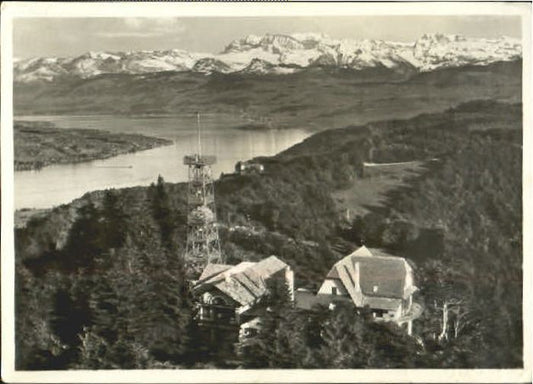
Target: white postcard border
[(33, 9)]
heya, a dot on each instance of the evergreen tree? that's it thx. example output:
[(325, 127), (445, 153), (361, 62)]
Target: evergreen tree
[(161, 208), (85, 240), (268, 348)]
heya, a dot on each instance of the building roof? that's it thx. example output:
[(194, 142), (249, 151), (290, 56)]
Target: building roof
[(244, 282), (382, 277), (213, 269), (256, 322), (224, 272), (360, 252), (379, 274)]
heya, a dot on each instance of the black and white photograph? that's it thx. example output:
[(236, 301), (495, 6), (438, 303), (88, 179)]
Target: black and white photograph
[(256, 192)]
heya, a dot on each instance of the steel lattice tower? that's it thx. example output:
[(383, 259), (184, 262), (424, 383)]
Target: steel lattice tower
[(203, 244)]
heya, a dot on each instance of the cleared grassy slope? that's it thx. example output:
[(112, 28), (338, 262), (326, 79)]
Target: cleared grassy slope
[(372, 189)]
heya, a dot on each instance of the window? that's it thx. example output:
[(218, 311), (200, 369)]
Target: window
[(250, 332), (333, 290), (378, 313), (218, 301)]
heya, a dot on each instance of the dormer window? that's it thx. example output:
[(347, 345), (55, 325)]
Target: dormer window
[(333, 290)]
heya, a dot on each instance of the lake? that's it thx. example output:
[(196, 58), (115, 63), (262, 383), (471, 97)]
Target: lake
[(59, 184)]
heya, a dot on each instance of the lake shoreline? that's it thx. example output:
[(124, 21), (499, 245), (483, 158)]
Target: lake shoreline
[(40, 144), (61, 183)]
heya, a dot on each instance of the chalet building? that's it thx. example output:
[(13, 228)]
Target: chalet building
[(370, 278), (249, 167), (229, 296)]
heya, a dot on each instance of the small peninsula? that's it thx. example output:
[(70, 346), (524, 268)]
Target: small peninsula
[(38, 144)]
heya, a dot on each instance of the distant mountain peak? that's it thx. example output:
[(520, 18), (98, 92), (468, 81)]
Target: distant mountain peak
[(316, 36), (258, 66), (283, 53), (209, 65), (268, 42)]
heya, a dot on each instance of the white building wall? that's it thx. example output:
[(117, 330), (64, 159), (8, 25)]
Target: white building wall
[(289, 277), (398, 313), (329, 284), (408, 287)]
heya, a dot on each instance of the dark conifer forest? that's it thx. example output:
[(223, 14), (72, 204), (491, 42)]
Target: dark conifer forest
[(100, 282)]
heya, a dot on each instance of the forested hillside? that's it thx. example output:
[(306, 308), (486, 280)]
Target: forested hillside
[(38, 144), (317, 98), (100, 282)]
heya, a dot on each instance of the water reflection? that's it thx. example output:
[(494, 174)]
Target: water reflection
[(60, 184)]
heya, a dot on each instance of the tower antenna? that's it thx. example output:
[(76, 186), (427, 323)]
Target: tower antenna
[(203, 244), (199, 134)]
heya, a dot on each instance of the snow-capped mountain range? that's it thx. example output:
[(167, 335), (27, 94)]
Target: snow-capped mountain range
[(281, 54)]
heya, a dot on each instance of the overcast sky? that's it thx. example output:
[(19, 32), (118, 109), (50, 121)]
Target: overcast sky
[(74, 36)]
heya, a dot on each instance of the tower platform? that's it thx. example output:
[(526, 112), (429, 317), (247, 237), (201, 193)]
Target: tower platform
[(199, 160)]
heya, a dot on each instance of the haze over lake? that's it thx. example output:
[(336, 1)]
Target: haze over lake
[(59, 184)]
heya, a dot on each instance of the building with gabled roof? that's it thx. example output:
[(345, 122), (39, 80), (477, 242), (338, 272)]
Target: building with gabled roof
[(373, 279), (229, 295)]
